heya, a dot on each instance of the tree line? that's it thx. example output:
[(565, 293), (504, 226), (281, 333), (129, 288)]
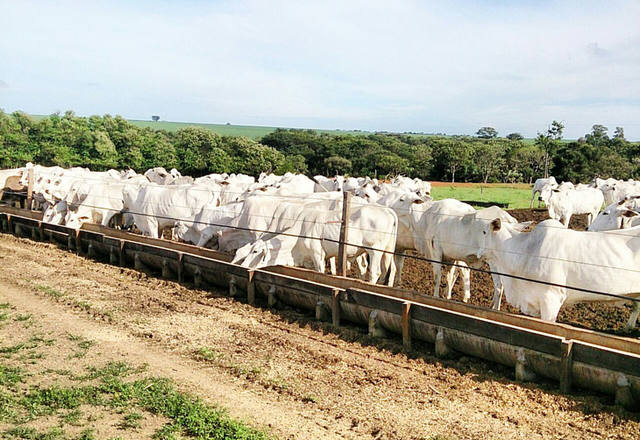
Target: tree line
[(103, 142)]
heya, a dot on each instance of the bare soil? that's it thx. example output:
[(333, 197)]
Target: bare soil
[(282, 370)]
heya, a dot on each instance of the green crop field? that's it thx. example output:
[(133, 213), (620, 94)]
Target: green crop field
[(250, 131), (516, 195)]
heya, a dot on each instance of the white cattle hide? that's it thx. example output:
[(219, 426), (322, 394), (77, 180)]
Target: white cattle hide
[(604, 262), (539, 185), (156, 207), (562, 204)]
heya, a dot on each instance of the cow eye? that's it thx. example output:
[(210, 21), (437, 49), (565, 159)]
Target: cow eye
[(605, 213), (484, 232)]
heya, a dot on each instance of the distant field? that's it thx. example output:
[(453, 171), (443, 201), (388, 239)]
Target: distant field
[(250, 131), (516, 195)]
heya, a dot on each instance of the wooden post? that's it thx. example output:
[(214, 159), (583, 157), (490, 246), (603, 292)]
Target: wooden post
[(335, 308), (122, 257), (344, 234), (251, 288), (78, 243), (180, 267), (566, 365), (30, 189), (406, 325)]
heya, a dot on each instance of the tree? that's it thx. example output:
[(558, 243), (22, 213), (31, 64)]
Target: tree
[(548, 142), (489, 158), (487, 133), (598, 136), (155, 118), (337, 165), (456, 155), (619, 133), (515, 137), (250, 157), (193, 145), (555, 130)]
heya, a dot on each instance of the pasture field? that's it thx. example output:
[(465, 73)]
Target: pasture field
[(250, 131), (517, 195)]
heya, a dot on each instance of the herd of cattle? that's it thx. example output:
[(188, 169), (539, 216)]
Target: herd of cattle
[(295, 220)]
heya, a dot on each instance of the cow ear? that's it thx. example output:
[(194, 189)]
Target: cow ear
[(466, 219), (496, 224), (629, 213), (622, 202)]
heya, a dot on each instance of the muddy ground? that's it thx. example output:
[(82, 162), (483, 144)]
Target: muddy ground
[(282, 370)]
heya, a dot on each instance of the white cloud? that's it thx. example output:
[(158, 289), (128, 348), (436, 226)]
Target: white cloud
[(405, 65)]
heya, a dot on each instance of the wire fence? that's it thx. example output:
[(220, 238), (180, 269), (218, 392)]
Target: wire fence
[(290, 232)]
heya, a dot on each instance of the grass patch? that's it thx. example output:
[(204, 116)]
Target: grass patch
[(22, 432), (516, 196), (50, 291), (83, 346), (188, 415), (71, 417), (25, 317), (207, 354), (10, 376), (131, 421)]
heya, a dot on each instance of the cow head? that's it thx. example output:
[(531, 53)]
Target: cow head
[(615, 216)]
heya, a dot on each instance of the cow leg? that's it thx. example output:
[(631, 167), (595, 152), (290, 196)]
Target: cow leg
[(375, 260), (533, 196), (332, 265), (550, 303), (498, 289), (362, 264), (633, 319), (389, 268), (566, 219), (466, 283), (399, 261), (451, 277), (319, 261)]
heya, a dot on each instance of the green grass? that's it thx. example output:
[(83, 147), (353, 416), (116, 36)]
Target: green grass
[(49, 291), (250, 131), (188, 415), (517, 196)]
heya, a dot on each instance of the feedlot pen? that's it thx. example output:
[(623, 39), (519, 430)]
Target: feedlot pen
[(574, 357)]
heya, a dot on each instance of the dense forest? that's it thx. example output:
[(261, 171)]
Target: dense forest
[(103, 142)]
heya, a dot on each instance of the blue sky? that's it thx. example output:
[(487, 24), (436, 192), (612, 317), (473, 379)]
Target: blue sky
[(397, 65)]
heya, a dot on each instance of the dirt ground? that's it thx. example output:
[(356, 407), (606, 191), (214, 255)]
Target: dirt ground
[(281, 370)]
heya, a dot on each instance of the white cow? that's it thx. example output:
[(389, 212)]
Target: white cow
[(562, 204), (618, 190), (93, 202), (491, 213), (539, 185), (440, 234), (155, 207), (596, 261), (207, 224), (314, 239), (401, 201), (621, 215)]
